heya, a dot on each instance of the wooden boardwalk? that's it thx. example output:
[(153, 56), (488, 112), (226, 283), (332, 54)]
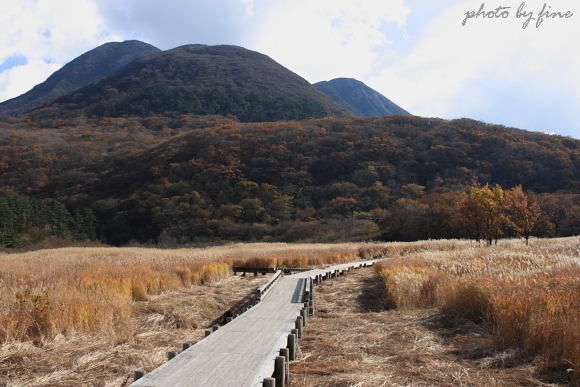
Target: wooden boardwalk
[(242, 352)]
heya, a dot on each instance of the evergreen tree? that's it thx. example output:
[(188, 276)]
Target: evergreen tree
[(28, 219), (90, 224), (84, 225), (60, 219), (8, 234)]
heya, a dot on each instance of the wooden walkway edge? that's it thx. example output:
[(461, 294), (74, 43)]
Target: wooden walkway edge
[(242, 353)]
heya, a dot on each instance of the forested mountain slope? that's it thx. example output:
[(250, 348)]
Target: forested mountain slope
[(204, 80), (193, 178)]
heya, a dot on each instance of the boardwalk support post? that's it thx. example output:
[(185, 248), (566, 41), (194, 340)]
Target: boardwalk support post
[(171, 355), (138, 374), (284, 352), (292, 346), (207, 332), (280, 370), (298, 324), (269, 382), (303, 316), (186, 346), (295, 333)]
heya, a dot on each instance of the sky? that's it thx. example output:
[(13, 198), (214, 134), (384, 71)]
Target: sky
[(426, 56)]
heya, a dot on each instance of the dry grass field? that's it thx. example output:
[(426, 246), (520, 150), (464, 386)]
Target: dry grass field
[(528, 296), (435, 313), (90, 316), (458, 315), (351, 341)]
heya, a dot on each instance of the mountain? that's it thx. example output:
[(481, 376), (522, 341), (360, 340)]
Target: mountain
[(359, 98), (99, 62), (209, 178), (203, 80)]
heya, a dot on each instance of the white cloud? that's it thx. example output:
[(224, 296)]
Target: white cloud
[(477, 69), (48, 33), (325, 39), (172, 23), (249, 7), (20, 79)]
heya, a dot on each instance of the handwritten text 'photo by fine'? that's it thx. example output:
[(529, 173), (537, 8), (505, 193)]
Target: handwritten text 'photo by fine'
[(504, 12)]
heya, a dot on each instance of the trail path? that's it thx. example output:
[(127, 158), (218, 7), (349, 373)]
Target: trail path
[(242, 352)]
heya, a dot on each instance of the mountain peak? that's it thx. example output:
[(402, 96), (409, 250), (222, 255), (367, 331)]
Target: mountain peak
[(204, 80), (94, 64), (359, 98)]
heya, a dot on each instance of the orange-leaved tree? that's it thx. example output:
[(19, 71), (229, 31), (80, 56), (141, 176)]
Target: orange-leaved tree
[(522, 214), (481, 212)]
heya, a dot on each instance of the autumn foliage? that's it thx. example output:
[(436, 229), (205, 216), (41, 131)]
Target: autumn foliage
[(181, 179), (488, 213)]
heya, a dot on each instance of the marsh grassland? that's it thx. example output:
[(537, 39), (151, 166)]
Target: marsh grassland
[(450, 313), (434, 313), (90, 316)]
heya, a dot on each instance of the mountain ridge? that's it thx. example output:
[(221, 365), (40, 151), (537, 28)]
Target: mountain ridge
[(206, 80), (101, 61), (245, 84)]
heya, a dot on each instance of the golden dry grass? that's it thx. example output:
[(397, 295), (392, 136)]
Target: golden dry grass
[(460, 314), (156, 326), (90, 316), (529, 296), (351, 341), (90, 290)]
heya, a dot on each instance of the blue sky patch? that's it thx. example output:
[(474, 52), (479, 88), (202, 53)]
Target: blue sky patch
[(12, 61)]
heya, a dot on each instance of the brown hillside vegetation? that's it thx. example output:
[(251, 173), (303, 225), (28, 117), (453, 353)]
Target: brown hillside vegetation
[(190, 179)]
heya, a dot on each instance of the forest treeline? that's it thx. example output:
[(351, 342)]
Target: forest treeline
[(179, 179), (25, 221)]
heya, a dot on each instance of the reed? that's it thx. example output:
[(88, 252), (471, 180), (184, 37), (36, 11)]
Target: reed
[(528, 295), (94, 290)]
